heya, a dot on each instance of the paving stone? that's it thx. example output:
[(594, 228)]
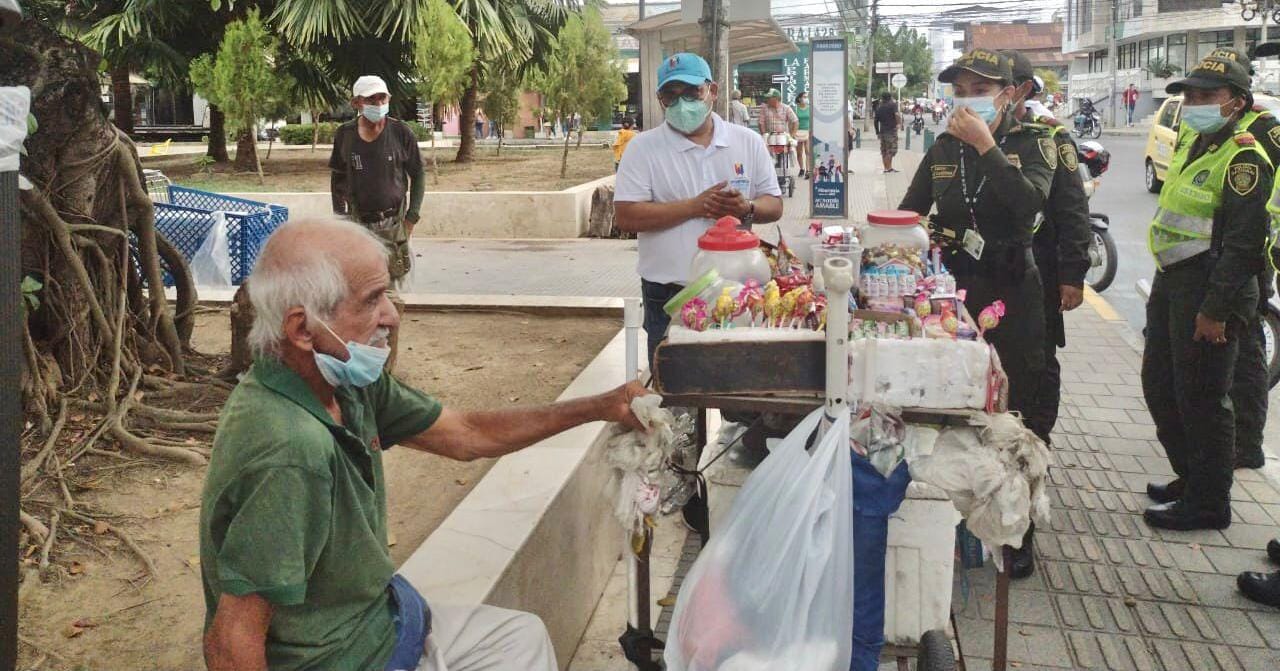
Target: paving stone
[(1158, 466), (1085, 388), (1141, 417), (1187, 557), (1268, 624), (1143, 660), (1250, 513), (1132, 390), (1251, 537), (1235, 626), (1114, 654), (1023, 610), (1136, 431), (1126, 463), (1096, 428), (1220, 591), (1116, 445), (1201, 537), (1121, 402), (1225, 659), (1084, 649), (1123, 615), (1262, 492), (1170, 654), (1106, 415), (1258, 659), (1232, 561)]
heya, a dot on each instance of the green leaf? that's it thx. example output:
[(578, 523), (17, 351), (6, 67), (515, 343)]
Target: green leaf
[(32, 125), (31, 285)]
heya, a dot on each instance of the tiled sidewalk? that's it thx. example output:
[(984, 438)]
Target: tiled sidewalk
[(1109, 591)]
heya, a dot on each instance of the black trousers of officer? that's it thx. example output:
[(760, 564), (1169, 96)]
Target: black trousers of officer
[(1043, 414), (1186, 385), (1249, 392), (1019, 339)]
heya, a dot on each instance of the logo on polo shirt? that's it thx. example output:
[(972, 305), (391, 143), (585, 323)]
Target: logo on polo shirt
[(739, 170)]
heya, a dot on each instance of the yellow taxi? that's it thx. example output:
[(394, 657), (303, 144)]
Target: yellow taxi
[(1164, 135)]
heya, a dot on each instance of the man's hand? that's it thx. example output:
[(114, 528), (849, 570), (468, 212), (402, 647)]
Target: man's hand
[(970, 129), (708, 202), (409, 223), (617, 405), (1210, 331), (1070, 297), (729, 202)]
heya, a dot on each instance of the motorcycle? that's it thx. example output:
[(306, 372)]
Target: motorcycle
[(937, 116), (1088, 123), (917, 124), (1103, 258)]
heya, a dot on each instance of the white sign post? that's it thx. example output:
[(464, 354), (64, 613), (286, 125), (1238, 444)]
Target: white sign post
[(828, 135), (898, 81)]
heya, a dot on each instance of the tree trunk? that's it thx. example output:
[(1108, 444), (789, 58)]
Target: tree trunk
[(467, 117), (564, 157), (246, 153), (242, 315), (122, 98), (435, 165), (582, 128), (437, 121), (217, 135), (315, 130)]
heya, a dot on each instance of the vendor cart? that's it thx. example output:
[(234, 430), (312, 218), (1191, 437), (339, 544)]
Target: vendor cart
[(801, 376), (782, 147)]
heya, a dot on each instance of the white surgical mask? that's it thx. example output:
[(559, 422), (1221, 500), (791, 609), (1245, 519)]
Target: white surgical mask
[(983, 106), (375, 113), (364, 363)]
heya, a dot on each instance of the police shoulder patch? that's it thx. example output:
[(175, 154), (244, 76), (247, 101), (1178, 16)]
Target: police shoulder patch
[(1243, 178), (1067, 153), (1274, 135), (1049, 153)]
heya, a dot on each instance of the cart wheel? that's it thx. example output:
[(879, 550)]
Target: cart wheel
[(791, 187), (935, 652)]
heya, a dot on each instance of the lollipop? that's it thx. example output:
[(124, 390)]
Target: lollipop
[(751, 300), (725, 308), (694, 314), (804, 300), (949, 322), (990, 316), (923, 308), (772, 302), (787, 307)]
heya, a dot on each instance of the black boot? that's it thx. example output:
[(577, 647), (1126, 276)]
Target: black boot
[(1251, 461), (1260, 587), (1166, 493), (1178, 516), (1023, 563), (1273, 551)]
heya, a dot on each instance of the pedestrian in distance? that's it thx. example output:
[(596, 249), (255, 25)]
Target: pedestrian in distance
[(888, 120), (1208, 237)]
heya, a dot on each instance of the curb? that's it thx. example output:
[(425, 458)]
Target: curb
[(549, 306), (1109, 314)]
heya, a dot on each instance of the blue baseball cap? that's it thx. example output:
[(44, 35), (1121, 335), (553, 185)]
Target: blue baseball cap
[(684, 67)]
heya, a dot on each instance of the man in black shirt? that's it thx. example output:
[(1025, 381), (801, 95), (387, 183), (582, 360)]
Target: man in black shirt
[(375, 162), (887, 120)]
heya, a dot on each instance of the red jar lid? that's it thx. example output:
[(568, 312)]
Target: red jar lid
[(893, 218), (725, 236)]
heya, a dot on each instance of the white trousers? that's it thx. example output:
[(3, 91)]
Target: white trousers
[(486, 638)]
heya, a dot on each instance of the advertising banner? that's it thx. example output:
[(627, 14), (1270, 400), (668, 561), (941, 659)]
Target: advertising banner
[(828, 150)]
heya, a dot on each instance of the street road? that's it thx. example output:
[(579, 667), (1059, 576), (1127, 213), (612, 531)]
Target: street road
[(1124, 199)]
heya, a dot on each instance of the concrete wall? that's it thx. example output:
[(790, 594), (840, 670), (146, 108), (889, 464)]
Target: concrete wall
[(475, 214), (537, 533)]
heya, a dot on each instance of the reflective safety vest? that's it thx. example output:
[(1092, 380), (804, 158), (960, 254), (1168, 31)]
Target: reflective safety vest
[(1183, 225)]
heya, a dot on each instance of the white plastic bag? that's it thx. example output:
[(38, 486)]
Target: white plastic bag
[(773, 590), (211, 264)]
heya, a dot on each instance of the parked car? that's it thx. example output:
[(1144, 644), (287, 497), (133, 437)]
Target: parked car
[(1164, 135)]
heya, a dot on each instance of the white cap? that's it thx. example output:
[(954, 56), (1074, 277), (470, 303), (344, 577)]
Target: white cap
[(1037, 108), (369, 85)]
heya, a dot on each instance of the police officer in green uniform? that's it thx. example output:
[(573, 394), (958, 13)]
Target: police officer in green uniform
[(1061, 244), (988, 177), (1207, 237)]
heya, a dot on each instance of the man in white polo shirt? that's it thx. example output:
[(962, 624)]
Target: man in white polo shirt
[(677, 179)]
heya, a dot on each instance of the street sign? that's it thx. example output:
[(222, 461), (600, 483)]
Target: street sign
[(889, 67), (780, 79), (899, 80), (828, 140)]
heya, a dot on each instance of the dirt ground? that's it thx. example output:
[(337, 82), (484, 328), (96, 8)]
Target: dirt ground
[(99, 612), (301, 170)]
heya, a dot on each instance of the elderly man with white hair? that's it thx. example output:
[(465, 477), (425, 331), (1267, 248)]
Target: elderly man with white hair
[(293, 523)]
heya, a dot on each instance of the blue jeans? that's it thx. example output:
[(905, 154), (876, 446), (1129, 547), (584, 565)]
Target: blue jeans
[(655, 320), (413, 623)]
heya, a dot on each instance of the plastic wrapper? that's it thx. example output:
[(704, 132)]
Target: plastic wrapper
[(211, 264), (995, 475), (15, 104), (643, 482), (773, 589)]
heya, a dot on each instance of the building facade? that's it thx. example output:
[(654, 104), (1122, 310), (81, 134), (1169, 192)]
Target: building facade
[(1149, 33)]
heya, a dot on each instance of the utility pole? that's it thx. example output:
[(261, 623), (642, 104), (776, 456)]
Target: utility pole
[(715, 42), (641, 10), (1114, 54), (871, 64)]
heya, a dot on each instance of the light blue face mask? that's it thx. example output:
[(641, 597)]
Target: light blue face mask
[(687, 116), (1203, 118), (983, 106), (362, 368), (375, 113)]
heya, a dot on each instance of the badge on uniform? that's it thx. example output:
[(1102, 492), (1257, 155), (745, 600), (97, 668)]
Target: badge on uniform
[(1067, 153), (1274, 134), (1243, 178), (1048, 152), (973, 243), (949, 171)]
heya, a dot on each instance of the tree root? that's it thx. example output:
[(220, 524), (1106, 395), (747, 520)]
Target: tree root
[(124, 538), (34, 526), (48, 543), (137, 445), (32, 467)]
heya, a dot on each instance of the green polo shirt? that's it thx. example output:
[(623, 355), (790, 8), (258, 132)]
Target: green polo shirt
[(295, 509)]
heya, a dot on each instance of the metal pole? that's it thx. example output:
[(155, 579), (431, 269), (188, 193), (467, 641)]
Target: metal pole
[(13, 112), (641, 10), (1115, 59), (871, 64), (837, 279)]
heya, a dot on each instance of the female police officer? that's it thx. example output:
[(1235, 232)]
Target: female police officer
[(1207, 236), (987, 177)]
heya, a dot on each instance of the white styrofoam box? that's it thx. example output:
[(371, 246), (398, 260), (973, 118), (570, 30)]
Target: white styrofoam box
[(920, 373), (919, 565)]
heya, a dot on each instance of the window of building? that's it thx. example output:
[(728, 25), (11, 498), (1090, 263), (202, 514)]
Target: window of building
[(1098, 61), (1137, 8), (1177, 52), (1251, 38), (1212, 39)]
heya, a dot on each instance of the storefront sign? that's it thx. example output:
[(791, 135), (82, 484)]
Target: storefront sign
[(828, 139)]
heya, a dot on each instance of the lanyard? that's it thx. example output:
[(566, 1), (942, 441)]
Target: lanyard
[(972, 201)]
